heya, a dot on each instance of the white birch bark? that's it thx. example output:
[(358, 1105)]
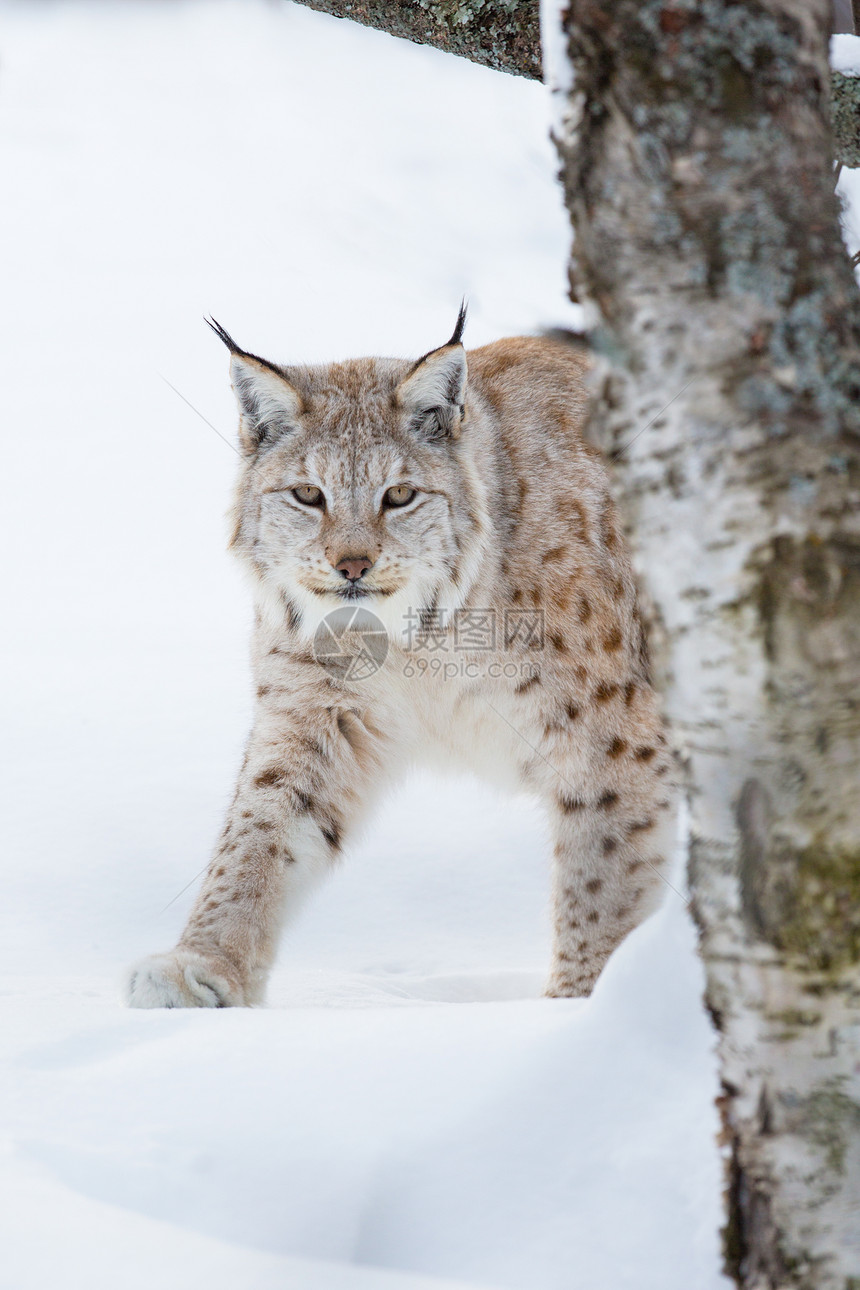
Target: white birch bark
[(697, 166)]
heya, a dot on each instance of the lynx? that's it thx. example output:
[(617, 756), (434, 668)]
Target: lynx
[(446, 514)]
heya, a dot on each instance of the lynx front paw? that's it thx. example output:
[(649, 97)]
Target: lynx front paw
[(183, 979)]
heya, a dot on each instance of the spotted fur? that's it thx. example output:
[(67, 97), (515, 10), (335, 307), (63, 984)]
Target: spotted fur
[(511, 515)]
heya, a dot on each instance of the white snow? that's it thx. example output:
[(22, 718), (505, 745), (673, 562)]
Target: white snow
[(557, 68), (408, 1111), (845, 54)]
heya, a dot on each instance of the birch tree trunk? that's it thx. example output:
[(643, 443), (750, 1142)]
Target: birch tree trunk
[(697, 160)]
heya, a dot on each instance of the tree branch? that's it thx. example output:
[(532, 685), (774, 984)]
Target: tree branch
[(504, 34), (845, 118)]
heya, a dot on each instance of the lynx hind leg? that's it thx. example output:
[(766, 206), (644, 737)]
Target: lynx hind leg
[(613, 845)]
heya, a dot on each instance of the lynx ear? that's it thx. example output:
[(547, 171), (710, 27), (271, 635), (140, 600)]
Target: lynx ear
[(269, 405), (434, 392)]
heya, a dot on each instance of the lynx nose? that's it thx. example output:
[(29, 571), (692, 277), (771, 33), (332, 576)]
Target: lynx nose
[(354, 567)]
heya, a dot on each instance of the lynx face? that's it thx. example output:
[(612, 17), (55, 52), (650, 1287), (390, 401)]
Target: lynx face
[(356, 488)]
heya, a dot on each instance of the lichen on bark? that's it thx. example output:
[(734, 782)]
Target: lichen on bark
[(845, 115), (818, 922), (503, 34)]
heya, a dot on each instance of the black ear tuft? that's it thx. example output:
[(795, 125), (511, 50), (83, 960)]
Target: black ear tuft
[(223, 335), (236, 352), (457, 338)]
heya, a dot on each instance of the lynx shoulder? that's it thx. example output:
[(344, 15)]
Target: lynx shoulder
[(429, 539)]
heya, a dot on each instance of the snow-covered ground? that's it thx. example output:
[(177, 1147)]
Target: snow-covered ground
[(407, 1112)]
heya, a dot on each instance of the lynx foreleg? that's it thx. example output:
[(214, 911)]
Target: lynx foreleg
[(306, 779)]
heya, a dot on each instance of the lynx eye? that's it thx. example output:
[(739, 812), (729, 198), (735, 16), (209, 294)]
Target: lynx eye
[(399, 495), (309, 495)]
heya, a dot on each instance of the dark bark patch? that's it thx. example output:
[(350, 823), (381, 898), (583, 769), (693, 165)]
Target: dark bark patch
[(810, 908)]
